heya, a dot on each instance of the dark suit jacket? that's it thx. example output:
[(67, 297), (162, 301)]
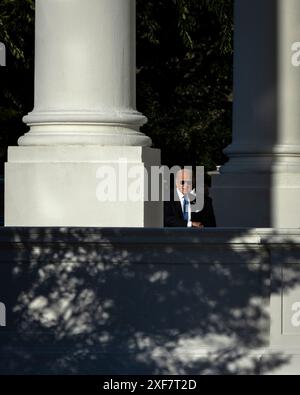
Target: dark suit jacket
[(173, 215)]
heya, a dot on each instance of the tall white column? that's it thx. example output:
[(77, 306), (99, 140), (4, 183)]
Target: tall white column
[(260, 185), (85, 75), (84, 120)]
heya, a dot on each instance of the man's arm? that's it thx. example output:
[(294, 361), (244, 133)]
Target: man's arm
[(207, 215)]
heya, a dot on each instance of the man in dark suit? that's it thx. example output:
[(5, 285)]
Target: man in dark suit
[(178, 212)]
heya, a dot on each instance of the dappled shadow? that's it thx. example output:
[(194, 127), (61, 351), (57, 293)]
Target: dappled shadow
[(136, 301)]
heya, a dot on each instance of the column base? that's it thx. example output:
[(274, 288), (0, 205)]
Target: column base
[(260, 200), (85, 128), (63, 186)]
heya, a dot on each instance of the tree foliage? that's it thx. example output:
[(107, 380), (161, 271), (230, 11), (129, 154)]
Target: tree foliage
[(184, 63), (16, 79), (184, 75)]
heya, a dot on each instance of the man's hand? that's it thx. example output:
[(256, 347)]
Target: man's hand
[(197, 225)]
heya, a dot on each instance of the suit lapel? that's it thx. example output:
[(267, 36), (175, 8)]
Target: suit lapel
[(178, 209)]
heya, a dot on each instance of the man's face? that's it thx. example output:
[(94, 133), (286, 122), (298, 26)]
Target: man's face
[(184, 181)]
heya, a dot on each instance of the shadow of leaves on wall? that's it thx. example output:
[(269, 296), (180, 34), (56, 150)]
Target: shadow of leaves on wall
[(135, 301)]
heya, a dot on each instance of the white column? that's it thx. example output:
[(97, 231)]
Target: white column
[(259, 186), (84, 119), (85, 75)]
